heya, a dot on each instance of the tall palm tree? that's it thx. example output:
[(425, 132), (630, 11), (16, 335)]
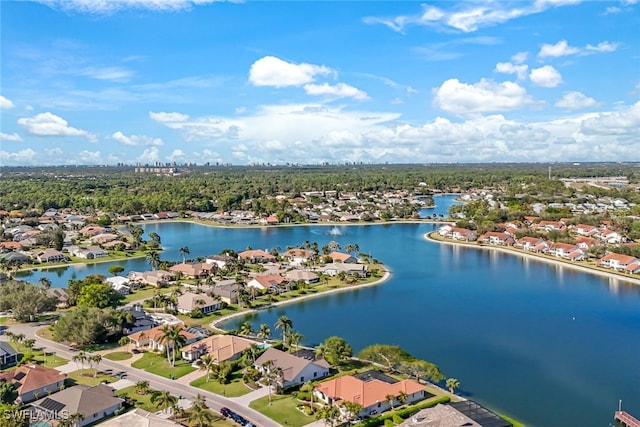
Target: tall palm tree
[(391, 399), (96, 359), (199, 416), (207, 363), (285, 324), (166, 339), (184, 251), (45, 282), (271, 374), (402, 397), (264, 332), (153, 258), (295, 338), (163, 400), (246, 329), (124, 342), (452, 384)]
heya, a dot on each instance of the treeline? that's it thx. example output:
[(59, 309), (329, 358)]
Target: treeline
[(223, 188)]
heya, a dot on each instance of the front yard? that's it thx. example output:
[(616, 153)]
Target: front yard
[(234, 389), (85, 376), (282, 410), (118, 355), (156, 363)]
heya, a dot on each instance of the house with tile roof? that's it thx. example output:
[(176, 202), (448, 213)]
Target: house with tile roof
[(50, 255), (94, 403), (305, 276), (370, 393), (220, 347), (34, 381), (193, 270), (138, 418), (256, 256), (190, 301), (342, 257), (297, 256), (273, 283), (152, 338), (567, 251), (617, 261), (497, 238), (295, 370), (528, 243), (8, 355)]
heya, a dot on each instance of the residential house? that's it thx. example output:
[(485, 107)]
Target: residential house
[(50, 255), (549, 226), (13, 246), (227, 291), (342, 257), (157, 278), (120, 284), (94, 403), (141, 320), (101, 239), (152, 338), (92, 230), (297, 256), (497, 238), (567, 251), (13, 257), (529, 243), (586, 243), (60, 294), (295, 370), (609, 236), (463, 413), (90, 252), (370, 392), (585, 230), (256, 256), (33, 381), (190, 301), (308, 277), (8, 355), (219, 260), (464, 234), (221, 348), (273, 283), (618, 261), (196, 270), (335, 268)]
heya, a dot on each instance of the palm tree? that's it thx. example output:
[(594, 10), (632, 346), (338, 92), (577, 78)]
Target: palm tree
[(264, 332), (285, 324), (72, 420), (96, 359), (251, 352), (452, 384), (28, 344), (402, 397), (163, 399), (207, 363), (391, 399), (142, 387), (271, 375), (246, 329), (198, 415), (153, 258), (184, 251), (124, 342), (309, 386), (294, 339), (166, 339)]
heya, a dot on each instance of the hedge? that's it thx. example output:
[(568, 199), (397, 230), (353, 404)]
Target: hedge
[(402, 413)]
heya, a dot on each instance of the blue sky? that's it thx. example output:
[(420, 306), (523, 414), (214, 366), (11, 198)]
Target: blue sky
[(135, 81)]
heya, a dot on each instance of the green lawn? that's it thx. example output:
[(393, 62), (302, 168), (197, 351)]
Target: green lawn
[(52, 360), (3, 320), (235, 388), (282, 410), (118, 355), (140, 400), (157, 364), (85, 376), (144, 293)]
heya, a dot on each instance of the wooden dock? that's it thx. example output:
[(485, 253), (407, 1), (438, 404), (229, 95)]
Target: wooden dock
[(626, 419)]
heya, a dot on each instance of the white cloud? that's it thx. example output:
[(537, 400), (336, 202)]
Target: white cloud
[(482, 97), (168, 117), (520, 57), (575, 101), (546, 76), (149, 156), (22, 157), (621, 123), (111, 6), (6, 103), (272, 71), (340, 90), (136, 139), (87, 157), (562, 48), (117, 74), (467, 16), (14, 137), (177, 155), (508, 68), (48, 124)]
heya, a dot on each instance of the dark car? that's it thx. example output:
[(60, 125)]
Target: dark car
[(225, 412)]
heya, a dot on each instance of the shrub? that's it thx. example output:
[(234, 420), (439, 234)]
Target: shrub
[(388, 423)]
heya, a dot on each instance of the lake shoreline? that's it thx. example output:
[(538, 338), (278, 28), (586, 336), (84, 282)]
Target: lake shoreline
[(554, 261), (214, 324)]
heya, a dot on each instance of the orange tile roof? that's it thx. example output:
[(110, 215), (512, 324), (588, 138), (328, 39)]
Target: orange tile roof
[(32, 377), (221, 347), (366, 393), (155, 334)]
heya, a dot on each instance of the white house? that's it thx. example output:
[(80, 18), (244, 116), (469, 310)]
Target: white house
[(295, 370)]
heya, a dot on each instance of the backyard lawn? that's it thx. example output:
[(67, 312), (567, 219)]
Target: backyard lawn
[(235, 388), (282, 410), (85, 376), (118, 355), (157, 363)]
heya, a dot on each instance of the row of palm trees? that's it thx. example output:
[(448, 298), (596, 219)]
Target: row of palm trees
[(197, 415), (93, 360)]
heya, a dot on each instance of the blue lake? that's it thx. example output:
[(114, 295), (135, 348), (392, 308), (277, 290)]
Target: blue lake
[(548, 345)]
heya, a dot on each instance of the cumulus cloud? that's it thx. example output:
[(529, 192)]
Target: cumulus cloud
[(149, 155), (508, 68), (562, 48), (546, 76), (168, 117), (6, 103), (48, 124), (272, 71), (22, 157), (136, 139), (87, 157), (467, 16), (340, 90), (177, 155), (621, 123), (482, 97), (575, 101), (13, 137), (111, 6)]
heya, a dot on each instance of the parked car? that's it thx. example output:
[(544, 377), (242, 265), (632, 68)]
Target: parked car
[(225, 412)]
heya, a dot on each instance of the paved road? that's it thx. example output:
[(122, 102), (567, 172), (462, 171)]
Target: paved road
[(214, 401)]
